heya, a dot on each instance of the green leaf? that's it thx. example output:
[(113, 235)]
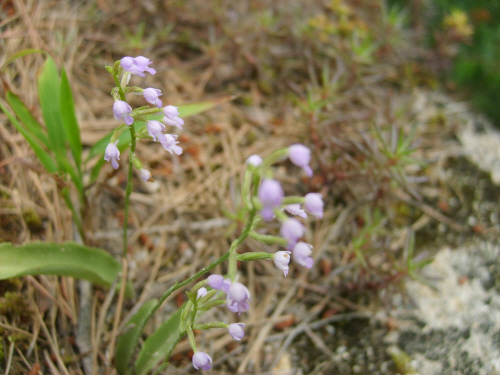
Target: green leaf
[(68, 117), (29, 121), (47, 161), (128, 341), (49, 88), (19, 54), (159, 344), (67, 259)]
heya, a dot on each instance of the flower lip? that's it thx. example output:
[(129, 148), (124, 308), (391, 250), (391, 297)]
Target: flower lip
[(295, 210)]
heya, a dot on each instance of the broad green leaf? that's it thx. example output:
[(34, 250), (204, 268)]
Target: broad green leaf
[(68, 117), (185, 110), (66, 259), (128, 341), (49, 88), (159, 344), (19, 54), (47, 161), (29, 121)]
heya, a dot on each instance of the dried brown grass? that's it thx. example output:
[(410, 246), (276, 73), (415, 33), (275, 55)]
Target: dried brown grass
[(206, 50)]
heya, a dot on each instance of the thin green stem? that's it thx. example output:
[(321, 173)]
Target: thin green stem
[(128, 189), (177, 285)]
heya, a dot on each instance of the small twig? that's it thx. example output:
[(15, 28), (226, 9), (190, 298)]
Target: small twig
[(119, 307)]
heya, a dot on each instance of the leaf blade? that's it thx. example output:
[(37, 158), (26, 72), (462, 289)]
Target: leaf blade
[(48, 94), (67, 259), (127, 342), (160, 343), (69, 120), (47, 161), (29, 121)]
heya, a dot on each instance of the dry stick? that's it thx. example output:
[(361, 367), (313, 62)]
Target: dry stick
[(9, 359), (312, 313), (431, 212), (265, 330), (118, 313), (52, 344), (100, 326), (52, 366), (62, 305)]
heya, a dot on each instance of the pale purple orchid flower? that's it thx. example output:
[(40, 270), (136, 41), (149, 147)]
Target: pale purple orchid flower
[(314, 204), (281, 260), (201, 293), (254, 160), (151, 95), (301, 254), (169, 143), (112, 154), (295, 210), (292, 230), (236, 331), (238, 296), (122, 111), (137, 65), (270, 195), (300, 155), (202, 361), (146, 175), (172, 116)]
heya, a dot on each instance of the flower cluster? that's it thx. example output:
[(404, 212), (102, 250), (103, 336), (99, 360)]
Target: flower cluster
[(267, 198), (272, 200), (123, 111)]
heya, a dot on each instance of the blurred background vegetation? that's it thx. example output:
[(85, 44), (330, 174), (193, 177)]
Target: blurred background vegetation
[(465, 36)]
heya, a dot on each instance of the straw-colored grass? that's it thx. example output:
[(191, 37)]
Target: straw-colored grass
[(270, 55)]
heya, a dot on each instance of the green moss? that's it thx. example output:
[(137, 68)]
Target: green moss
[(32, 220)]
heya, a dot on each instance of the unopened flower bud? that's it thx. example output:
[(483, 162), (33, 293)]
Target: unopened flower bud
[(236, 331)]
